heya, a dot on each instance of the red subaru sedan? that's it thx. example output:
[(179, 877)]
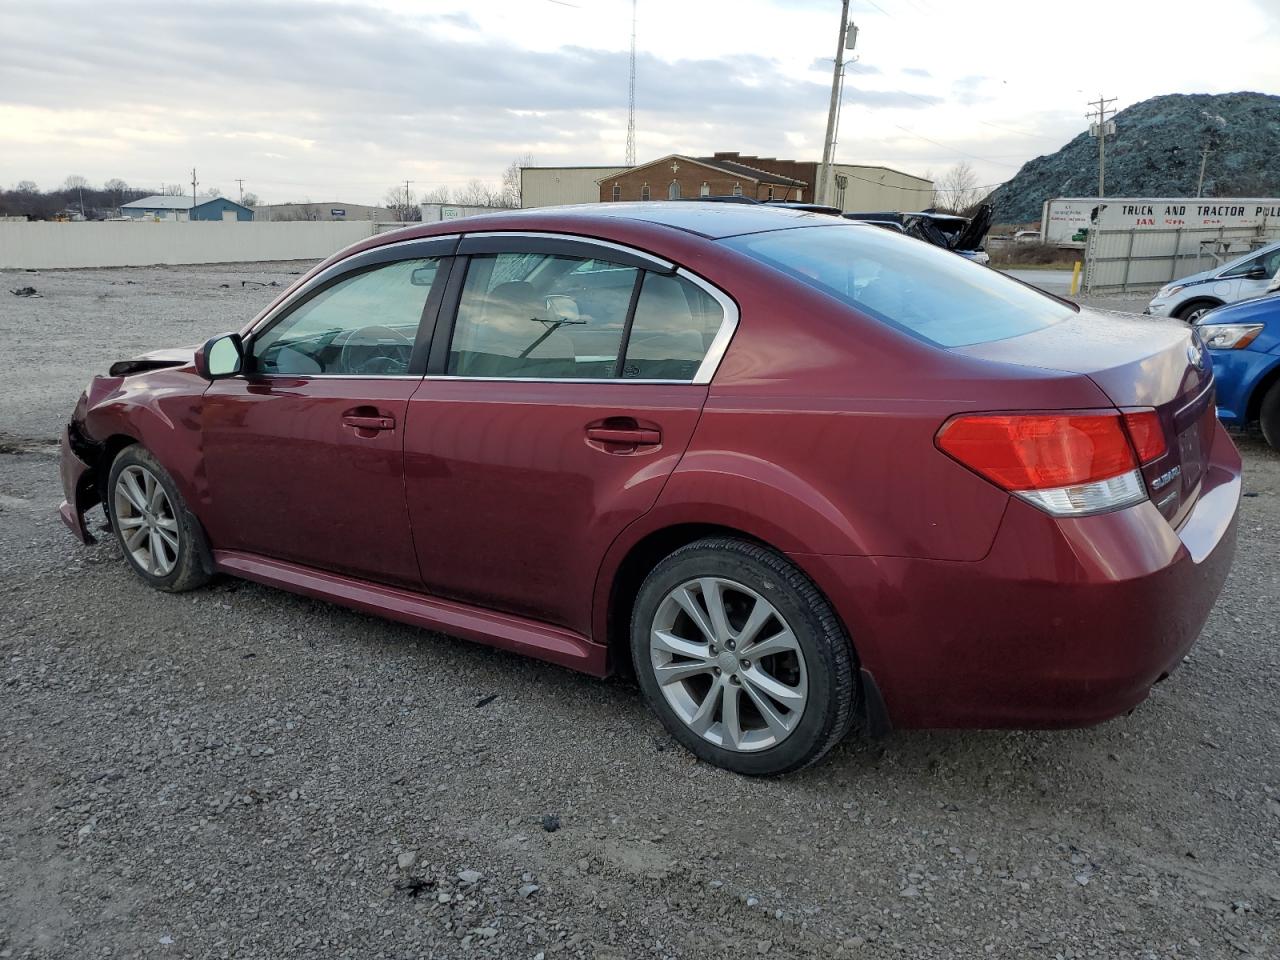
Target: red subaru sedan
[(796, 473)]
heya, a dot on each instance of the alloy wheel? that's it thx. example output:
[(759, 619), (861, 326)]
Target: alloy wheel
[(145, 518), (728, 664)]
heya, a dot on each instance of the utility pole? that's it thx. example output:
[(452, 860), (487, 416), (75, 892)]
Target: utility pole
[(240, 181), (1210, 141), (193, 193), (404, 207), (1100, 128), (847, 38)]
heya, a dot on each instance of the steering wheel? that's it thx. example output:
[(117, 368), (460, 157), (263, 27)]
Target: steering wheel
[(373, 336)]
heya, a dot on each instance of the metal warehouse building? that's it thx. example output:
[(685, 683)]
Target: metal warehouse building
[(856, 186), (185, 208)]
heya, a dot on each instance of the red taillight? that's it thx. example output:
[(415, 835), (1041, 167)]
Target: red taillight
[(1146, 433), (1040, 451)]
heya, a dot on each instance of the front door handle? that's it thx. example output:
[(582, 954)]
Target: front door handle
[(369, 423), (631, 436)]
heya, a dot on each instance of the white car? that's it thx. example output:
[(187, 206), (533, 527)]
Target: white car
[(1241, 279)]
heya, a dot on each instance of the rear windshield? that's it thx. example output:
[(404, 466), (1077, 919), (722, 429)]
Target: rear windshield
[(929, 292)]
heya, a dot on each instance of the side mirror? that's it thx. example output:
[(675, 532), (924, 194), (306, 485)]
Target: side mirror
[(1257, 272), (220, 357)]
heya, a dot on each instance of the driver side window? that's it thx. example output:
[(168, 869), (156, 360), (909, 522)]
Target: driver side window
[(363, 325)]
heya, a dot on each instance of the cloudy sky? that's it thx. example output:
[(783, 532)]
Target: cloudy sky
[(339, 100)]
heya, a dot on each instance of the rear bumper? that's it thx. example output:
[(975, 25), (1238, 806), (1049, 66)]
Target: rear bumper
[(1064, 623)]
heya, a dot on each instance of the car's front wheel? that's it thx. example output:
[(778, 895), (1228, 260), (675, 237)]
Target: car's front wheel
[(741, 657), (159, 537), (1196, 309)]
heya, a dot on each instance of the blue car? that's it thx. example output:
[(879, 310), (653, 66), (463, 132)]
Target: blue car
[(1244, 342)]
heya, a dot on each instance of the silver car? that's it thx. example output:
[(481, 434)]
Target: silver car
[(1240, 279)]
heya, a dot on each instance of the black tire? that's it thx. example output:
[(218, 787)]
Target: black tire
[(1194, 309), (1269, 416), (833, 690), (191, 567)]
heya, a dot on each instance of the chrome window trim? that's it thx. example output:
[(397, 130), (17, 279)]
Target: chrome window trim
[(268, 316), (702, 376), (330, 376), (658, 262), (728, 327), (669, 383), (445, 376)]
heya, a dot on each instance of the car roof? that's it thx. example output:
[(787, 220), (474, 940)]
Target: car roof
[(711, 220)]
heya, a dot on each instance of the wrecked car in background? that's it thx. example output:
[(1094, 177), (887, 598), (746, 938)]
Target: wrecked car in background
[(962, 235)]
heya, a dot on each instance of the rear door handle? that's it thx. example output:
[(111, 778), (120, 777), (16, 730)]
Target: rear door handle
[(369, 423), (631, 436)]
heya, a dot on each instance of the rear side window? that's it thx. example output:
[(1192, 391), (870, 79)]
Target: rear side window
[(674, 325), (929, 292), (540, 316), (537, 316)]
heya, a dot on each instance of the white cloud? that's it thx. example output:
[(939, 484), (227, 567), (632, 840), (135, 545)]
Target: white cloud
[(342, 98)]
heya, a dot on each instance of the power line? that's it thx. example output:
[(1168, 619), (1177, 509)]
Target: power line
[(894, 186), (947, 146)]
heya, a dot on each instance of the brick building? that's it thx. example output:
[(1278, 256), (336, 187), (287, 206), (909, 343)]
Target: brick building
[(725, 174), (859, 187)]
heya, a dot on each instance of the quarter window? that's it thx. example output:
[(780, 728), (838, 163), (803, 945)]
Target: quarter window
[(537, 316), (363, 325), (674, 324)]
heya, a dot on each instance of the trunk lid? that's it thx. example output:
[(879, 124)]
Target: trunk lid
[(1139, 363)]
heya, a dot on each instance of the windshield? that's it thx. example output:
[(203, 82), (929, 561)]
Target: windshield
[(929, 292)]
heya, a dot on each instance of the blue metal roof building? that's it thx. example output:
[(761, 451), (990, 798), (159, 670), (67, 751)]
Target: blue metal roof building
[(182, 208)]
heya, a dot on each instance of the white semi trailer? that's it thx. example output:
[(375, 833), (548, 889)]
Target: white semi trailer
[(1065, 221)]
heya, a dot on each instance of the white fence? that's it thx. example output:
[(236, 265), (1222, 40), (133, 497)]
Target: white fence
[(140, 244), (1130, 259)]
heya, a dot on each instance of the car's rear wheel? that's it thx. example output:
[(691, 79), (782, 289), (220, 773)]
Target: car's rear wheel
[(1193, 311), (159, 537), (1269, 416), (741, 657)]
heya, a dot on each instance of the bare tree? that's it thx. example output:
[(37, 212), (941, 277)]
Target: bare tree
[(477, 193), (958, 190), (115, 189), (510, 196), (215, 191), (250, 200), (74, 182), (436, 195), (27, 186), (402, 201)]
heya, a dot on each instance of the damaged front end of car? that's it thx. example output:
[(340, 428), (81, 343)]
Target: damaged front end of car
[(103, 422)]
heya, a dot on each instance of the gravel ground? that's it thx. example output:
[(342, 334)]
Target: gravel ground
[(240, 772)]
